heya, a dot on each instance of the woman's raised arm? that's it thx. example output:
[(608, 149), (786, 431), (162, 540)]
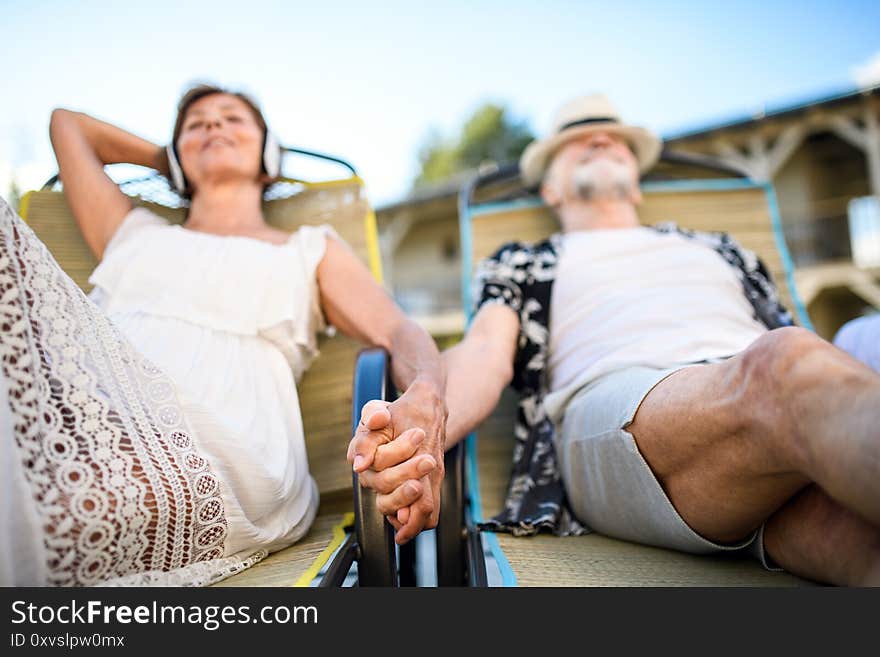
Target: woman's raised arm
[(83, 145)]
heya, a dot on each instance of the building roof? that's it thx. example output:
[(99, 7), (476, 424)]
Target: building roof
[(777, 112), (428, 193)]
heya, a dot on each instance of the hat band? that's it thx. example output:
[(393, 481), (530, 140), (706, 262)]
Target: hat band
[(574, 124)]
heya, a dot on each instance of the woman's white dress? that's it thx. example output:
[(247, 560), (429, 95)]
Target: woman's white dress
[(152, 432)]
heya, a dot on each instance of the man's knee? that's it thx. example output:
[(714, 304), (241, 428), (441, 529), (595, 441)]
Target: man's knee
[(773, 377), (787, 361)]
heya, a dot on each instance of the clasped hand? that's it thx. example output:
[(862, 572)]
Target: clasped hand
[(397, 451)]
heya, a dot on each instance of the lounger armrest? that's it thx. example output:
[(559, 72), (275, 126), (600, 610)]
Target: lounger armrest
[(377, 560), (460, 557), (450, 528)]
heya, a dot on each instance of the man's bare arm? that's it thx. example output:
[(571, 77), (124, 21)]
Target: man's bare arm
[(478, 369)]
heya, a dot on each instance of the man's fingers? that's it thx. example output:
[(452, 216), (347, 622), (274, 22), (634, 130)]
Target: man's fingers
[(401, 496), (389, 479), (399, 449)]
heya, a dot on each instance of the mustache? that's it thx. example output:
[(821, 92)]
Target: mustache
[(599, 152)]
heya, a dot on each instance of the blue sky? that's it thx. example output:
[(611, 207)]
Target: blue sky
[(369, 83)]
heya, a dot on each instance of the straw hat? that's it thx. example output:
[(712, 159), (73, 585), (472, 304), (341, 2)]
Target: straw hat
[(582, 116)]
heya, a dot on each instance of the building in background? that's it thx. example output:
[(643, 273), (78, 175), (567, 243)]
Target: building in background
[(822, 157)]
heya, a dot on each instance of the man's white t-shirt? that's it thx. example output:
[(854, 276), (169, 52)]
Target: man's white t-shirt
[(628, 297)]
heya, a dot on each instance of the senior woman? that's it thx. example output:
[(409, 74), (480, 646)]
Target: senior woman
[(151, 433)]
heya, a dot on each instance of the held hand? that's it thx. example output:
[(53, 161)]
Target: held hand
[(420, 406), (396, 467), (398, 451), (395, 473)]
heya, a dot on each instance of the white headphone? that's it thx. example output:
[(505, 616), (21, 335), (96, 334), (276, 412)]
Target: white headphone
[(271, 161)]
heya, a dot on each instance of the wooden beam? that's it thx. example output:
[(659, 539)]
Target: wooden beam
[(872, 145), (784, 147), (847, 130), (759, 162), (733, 157), (762, 163), (870, 292), (811, 281)]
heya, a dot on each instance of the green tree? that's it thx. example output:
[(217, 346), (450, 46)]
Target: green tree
[(14, 195), (489, 135)]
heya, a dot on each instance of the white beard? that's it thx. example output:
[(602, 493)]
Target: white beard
[(602, 178)]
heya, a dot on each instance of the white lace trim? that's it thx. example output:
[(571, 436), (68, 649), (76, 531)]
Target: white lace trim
[(121, 490), (203, 573)]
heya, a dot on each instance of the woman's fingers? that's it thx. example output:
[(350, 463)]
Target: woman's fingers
[(387, 480), (399, 449), (375, 415), (373, 430), (401, 496), (419, 517)]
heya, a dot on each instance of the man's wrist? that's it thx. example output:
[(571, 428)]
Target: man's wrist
[(430, 396), (430, 386)]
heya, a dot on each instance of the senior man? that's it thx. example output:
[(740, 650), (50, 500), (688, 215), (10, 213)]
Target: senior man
[(665, 397)]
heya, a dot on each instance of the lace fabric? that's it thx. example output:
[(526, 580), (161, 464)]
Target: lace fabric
[(118, 483)]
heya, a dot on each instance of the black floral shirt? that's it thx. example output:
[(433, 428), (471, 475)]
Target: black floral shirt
[(521, 276)]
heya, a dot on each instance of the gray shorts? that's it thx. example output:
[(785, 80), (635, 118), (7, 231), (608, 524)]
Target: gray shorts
[(609, 484)]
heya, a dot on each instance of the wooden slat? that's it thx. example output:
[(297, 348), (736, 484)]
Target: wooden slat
[(50, 218), (326, 413), (596, 560), (284, 568)]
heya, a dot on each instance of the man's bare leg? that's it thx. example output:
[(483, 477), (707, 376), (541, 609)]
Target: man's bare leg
[(815, 537), (732, 442)]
